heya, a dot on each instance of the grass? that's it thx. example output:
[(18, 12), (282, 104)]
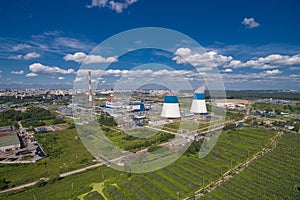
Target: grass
[(179, 180), (65, 153)]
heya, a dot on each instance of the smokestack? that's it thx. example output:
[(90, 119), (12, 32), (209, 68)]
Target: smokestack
[(111, 96), (90, 90)]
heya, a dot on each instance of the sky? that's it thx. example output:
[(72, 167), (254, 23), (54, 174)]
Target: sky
[(254, 45)]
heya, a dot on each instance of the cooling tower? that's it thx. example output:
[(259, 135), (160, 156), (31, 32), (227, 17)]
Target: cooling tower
[(198, 104), (170, 108)]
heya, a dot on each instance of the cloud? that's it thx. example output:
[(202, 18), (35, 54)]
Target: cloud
[(206, 59), (250, 23), (38, 68), (272, 72), (81, 57), (131, 74), (61, 78), (31, 75), (294, 68), (269, 62), (31, 55), (27, 56), (20, 47), (17, 72), (117, 6), (71, 43), (16, 57), (227, 70), (51, 41)]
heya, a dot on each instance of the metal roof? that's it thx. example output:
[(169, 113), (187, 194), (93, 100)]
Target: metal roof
[(10, 139)]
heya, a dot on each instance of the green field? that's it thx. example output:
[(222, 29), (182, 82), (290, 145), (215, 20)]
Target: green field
[(179, 180), (64, 150), (275, 176)]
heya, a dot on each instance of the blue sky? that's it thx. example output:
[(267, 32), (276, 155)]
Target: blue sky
[(254, 44)]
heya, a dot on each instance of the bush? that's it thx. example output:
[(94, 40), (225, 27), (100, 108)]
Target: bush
[(153, 148), (229, 126), (4, 183), (58, 121), (41, 183)]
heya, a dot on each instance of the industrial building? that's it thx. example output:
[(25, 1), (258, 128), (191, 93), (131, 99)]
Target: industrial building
[(9, 141)]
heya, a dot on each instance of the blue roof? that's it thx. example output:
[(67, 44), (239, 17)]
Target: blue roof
[(199, 96), (171, 99)]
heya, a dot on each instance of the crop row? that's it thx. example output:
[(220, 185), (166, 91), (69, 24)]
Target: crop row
[(274, 176)]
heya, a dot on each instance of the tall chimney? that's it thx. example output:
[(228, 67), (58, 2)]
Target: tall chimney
[(90, 90), (111, 96)]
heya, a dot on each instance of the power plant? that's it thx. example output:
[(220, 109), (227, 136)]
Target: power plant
[(170, 108), (137, 111), (198, 105)]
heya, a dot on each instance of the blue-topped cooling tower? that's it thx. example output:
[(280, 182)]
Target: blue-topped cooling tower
[(198, 105), (170, 107)]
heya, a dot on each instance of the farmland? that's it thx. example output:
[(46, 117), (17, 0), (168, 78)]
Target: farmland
[(179, 180), (275, 176)]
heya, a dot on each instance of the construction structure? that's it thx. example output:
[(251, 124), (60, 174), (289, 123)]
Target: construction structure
[(90, 89), (198, 105), (170, 108)]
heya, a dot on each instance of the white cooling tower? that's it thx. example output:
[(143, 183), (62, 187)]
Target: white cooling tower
[(198, 104), (170, 108)]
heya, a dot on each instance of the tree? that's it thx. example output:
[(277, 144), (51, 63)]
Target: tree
[(229, 126), (4, 183), (296, 127)]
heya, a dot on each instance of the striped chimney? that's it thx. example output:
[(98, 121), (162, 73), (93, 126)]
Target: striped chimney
[(90, 90)]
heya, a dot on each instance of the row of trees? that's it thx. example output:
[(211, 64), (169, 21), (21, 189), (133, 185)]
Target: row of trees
[(33, 116), (107, 120)]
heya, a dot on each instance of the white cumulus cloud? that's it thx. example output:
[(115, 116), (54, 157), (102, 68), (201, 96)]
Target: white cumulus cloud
[(81, 57), (206, 59), (31, 75), (17, 72), (227, 70), (250, 23), (269, 62), (39, 68), (32, 55), (117, 6), (27, 56), (272, 72)]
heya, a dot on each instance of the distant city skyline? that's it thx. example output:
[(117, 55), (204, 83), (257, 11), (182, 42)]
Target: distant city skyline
[(254, 44)]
